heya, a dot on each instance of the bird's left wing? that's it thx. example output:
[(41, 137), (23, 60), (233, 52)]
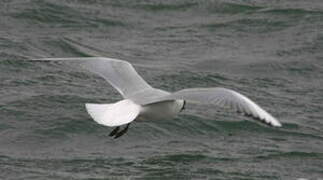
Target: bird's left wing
[(120, 74), (225, 98)]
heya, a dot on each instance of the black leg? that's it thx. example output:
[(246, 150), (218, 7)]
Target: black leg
[(122, 132), (115, 130)]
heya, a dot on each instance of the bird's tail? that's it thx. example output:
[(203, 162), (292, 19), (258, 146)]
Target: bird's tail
[(119, 113)]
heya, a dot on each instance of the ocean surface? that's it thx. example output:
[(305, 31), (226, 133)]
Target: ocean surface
[(269, 50)]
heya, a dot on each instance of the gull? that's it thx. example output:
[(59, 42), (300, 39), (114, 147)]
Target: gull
[(142, 102)]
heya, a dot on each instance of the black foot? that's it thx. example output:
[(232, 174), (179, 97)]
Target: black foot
[(122, 132), (115, 130)]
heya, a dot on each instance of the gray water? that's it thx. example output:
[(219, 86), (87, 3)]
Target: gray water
[(269, 50)]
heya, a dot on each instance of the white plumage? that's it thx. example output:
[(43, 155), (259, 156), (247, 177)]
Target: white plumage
[(122, 112), (143, 102)]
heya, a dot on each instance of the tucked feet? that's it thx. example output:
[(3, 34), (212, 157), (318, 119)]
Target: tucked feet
[(122, 132), (115, 130)]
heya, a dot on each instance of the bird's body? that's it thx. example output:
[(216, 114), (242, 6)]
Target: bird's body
[(142, 102), (160, 110)]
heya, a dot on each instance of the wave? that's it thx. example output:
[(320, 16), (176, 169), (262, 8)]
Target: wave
[(46, 13)]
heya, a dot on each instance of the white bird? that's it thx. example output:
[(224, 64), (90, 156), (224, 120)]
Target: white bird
[(143, 102)]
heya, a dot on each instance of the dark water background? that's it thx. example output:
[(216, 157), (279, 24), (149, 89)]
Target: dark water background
[(270, 50)]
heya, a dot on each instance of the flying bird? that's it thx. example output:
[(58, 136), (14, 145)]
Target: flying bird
[(143, 102)]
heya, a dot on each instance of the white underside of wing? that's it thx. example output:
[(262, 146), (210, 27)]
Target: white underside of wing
[(224, 98), (248, 107), (120, 74), (117, 114)]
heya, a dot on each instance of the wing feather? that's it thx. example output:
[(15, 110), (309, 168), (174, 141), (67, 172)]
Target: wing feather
[(225, 98), (120, 74)]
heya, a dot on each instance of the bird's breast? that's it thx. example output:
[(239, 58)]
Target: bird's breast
[(161, 110)]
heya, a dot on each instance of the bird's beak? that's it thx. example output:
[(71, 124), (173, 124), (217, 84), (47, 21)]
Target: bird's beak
[(183, 106)]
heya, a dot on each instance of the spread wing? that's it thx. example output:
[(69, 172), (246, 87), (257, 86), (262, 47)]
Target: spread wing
[(120, 74), (224, 98)]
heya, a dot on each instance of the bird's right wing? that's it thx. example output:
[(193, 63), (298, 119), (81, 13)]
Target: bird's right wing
[(223, 98), (120, 74)]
